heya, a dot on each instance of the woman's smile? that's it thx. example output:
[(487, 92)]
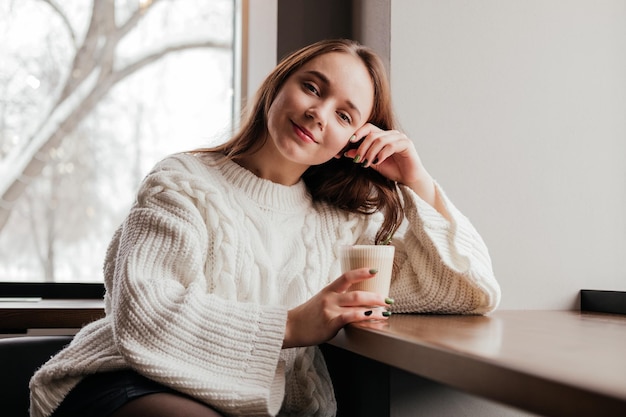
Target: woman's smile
[(303, 133)]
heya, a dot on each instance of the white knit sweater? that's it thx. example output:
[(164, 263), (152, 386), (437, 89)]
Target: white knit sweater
[(200, 276)]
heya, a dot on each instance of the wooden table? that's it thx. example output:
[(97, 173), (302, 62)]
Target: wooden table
[(18, 316), (554, 363)]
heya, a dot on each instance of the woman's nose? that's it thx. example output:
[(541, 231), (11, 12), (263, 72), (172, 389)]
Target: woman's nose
[(318, 114)]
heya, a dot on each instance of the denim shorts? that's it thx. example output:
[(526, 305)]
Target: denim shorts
[(99, 395)]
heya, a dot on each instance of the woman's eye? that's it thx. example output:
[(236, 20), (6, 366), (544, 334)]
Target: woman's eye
[(345, 117), (311, 88)]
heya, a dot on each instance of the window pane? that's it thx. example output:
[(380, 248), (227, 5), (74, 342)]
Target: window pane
[(92, 95)]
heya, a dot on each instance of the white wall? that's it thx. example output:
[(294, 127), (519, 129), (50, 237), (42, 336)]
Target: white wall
[(518, 108)]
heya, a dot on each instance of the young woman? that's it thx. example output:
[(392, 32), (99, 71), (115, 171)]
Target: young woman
[(225, 275)]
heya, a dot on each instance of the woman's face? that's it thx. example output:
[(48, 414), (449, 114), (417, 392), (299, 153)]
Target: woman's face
[(319, 107)]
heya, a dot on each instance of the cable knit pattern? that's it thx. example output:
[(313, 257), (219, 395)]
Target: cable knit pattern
[(200, 276)]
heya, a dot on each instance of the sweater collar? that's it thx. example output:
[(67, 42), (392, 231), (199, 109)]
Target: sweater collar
[(266, 193)]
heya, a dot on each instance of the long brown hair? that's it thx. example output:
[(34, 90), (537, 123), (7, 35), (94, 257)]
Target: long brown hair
[(339, 182)]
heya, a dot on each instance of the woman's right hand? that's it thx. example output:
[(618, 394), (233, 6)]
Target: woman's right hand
[(320, 318)]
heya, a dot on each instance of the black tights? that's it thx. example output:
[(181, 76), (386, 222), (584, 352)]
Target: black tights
[(165, 404)]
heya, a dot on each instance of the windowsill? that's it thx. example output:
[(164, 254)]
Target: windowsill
[(19, 316), (52, 290)]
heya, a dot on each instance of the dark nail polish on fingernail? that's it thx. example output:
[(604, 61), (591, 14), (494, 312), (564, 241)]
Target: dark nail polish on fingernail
[(364, 164), (386, 313), (375, 161), (357, 159), (368, 313), (373, 271), (389, 300)]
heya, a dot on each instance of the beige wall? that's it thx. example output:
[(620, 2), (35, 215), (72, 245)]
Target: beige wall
[(371, 26), (518, 108), (260, 40)]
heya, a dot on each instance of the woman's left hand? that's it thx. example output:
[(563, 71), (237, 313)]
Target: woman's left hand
[(393, 155), (389, 152)]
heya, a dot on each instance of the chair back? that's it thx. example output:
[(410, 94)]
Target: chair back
[(20, 357)]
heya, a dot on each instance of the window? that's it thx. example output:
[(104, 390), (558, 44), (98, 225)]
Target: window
[(92, 95)]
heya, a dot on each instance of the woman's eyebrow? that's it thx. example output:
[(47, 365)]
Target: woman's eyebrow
[(324, 79)]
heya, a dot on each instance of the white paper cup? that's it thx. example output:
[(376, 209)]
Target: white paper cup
[(378, 257)]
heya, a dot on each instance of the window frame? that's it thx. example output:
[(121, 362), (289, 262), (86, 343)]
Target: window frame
[(52, 290)]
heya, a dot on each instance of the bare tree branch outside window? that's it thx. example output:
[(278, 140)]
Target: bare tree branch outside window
[(92, 94)]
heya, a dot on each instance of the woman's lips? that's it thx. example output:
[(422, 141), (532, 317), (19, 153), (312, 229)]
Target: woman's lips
[(303, 134)]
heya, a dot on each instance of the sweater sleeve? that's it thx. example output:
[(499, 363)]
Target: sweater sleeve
[(443, 266), (166, 323)]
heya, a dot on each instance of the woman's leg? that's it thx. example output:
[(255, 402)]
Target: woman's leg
[(165, 404)]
